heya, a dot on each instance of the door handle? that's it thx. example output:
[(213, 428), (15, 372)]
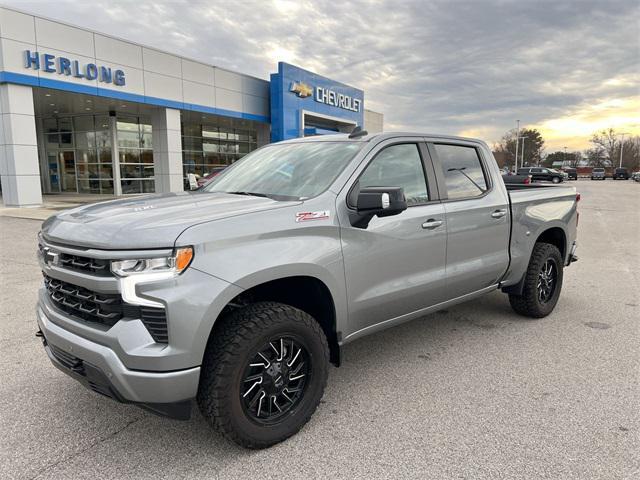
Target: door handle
[(432, 223), (499, 213)]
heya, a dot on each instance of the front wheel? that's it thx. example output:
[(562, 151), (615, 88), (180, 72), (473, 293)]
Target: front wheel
[(542, 283), (263, 374)]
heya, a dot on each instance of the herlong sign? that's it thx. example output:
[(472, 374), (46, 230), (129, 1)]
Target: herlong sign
[(64, 66)]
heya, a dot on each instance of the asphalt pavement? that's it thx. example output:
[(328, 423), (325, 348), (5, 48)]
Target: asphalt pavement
[(472, 392)]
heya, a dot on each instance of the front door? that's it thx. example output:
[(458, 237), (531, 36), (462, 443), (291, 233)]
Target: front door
[(53, 172), (478, 218), (396, 265), (67, 169)]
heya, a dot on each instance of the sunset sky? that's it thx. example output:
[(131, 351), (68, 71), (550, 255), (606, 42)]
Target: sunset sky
[(568, 68)]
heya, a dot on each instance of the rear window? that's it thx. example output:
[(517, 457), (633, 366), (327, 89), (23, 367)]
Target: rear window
[(463, 173), (598, 170)]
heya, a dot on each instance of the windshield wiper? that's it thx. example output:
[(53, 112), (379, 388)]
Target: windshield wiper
[(461, 170), (272, 196), (251, 194)]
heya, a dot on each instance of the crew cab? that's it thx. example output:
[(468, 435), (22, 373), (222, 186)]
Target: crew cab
[(241, 294)]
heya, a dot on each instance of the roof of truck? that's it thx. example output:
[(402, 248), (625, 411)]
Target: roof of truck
[(338, 137)]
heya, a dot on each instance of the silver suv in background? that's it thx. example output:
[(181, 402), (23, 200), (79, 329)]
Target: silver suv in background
[(241, 294), (598, 174)]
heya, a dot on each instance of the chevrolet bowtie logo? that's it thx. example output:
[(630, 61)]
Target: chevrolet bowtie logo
[(301, 89)]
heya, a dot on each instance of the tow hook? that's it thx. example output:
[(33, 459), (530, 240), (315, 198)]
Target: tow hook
[(40, 335)]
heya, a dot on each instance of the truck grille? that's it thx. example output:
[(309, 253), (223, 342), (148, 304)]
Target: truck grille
[(104, 309), (95, 266)]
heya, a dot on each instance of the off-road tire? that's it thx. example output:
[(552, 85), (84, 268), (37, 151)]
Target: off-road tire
[(232, 344), (528, 304)]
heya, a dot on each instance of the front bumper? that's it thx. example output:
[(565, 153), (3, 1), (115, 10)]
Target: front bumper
[(99, 369)]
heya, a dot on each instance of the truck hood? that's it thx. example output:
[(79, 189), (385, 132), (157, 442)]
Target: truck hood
[(153, 221)]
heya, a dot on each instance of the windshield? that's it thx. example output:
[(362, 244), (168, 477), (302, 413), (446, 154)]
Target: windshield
[(286, 171)]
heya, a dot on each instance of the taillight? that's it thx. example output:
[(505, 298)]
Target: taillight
[(577, 212), (577, 197), (527, 180)]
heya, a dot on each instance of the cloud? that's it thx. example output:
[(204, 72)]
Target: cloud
[(441, 66)]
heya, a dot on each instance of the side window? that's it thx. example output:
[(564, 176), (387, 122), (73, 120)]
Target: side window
[(537, 170), (463, 172), (398, 166)]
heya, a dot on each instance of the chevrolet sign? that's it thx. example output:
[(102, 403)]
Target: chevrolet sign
[(301, 89), (329, 97)]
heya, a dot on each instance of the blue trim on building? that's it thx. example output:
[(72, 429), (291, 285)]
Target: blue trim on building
[(33, 81), (310, 93)]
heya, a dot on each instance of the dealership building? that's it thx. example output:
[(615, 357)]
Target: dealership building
[(87, 113)]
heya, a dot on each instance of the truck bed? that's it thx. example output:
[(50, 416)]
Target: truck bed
[(534, 208)]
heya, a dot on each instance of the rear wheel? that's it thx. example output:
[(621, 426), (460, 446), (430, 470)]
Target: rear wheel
[(542, 284), (555, 179), (264, 373)]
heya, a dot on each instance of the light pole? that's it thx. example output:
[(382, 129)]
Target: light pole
[(517, 142), (522, 155), (564, 161)]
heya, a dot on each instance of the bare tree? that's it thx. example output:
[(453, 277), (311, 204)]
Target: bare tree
[(596, 156), (606, 141), (630, 153), (507, 146)]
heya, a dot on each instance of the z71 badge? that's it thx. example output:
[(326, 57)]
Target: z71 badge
[(306, 216)]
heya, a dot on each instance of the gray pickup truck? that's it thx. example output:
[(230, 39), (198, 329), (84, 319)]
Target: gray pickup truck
[(240, 295)]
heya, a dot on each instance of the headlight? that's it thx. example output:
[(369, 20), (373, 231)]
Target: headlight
[(175, 264)]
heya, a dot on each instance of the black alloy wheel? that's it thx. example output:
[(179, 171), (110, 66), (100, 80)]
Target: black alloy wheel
[(263, 373), (275, 380), (547, 280), (542, 283)]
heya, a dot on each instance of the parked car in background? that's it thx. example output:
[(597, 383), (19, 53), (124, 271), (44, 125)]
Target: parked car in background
[(572, 173), (541, 174), (635, 176), (565, 175), (598, 174), (202, 181), (621, 174), (511, 178)]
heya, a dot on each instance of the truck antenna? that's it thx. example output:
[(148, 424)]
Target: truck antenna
[(358, 132)]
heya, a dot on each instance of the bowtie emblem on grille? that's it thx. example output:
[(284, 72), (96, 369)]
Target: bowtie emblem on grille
[(50, 257)]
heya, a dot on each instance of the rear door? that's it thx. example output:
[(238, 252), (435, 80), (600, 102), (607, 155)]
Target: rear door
[(478, 218), (396, 265)]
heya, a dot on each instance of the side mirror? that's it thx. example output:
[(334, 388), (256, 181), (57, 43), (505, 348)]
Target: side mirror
[(380, 201)]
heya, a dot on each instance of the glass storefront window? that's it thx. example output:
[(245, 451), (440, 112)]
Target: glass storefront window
[(78, 152), (135, 152), (84, 124), (208, 146), (104, 155), (86, 156), (85, 139), (128, 124), (129, 155)]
